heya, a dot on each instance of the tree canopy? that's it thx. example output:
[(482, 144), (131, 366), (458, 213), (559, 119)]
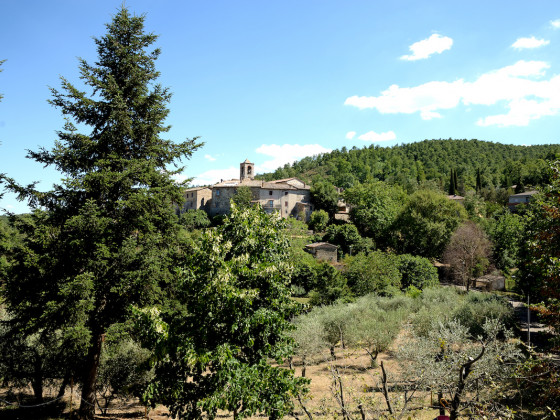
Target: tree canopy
[(105, 235)]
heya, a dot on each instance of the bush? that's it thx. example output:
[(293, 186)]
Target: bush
[(194, 219), (318, 220), (372, 273), (417, 271)]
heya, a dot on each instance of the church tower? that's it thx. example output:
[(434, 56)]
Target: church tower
[(246, 170)]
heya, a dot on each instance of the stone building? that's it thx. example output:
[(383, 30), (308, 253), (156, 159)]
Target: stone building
[(197, 198), (323, 251), (289, 197)]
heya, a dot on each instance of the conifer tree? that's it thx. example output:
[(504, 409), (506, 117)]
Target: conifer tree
[(110, 224), (455, 183), (478, 181)]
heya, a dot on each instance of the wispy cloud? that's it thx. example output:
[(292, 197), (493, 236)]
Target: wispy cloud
[(350, 135), (522, 87), (435, 44), (529, 43), (286, 153), (210, 158), (373, 136), (215, 175), (555, 23)]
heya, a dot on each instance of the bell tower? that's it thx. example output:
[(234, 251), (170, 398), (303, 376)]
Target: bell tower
[(246, 170)]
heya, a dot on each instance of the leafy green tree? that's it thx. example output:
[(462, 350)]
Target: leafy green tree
[(195, 219), (374, 208), (347, 238), (110, 224), (229, 317), (540, 251), (427, 223), (506, 230), (375, 272), (330, 286), (243, 196), (416, 271), (318, 220), (324, 196)]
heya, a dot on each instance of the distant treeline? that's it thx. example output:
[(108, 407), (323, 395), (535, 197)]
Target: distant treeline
[(500, 165)]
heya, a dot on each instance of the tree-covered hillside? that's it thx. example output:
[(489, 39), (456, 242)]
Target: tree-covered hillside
[(409, 164)]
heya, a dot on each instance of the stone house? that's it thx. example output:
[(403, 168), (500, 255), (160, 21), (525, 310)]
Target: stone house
[(521, 198), (323, 251), (289, 197), (196, 198)]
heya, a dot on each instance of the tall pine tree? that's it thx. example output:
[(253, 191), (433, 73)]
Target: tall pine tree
[(111, 220)]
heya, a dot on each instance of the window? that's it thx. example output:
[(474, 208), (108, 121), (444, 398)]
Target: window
[(285, 192), (270, 193), (285, 204), (270, 203), (249, 170), (217, 192)]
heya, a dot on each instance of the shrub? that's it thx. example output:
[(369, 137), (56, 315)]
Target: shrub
[(417, 271), (372, 273)]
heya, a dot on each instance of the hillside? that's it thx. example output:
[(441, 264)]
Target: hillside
[(408, 164)]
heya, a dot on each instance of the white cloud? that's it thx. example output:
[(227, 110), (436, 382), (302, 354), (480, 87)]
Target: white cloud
[(555, 23), (350, 135), (210, 158), (286, 153), (435, 44), (373, 136), (215, 175), (522, 88), (525, 43)]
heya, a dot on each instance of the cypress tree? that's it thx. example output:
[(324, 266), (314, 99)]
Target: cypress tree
[(455, 183), (451, 190), (478, 181), (111, 217)]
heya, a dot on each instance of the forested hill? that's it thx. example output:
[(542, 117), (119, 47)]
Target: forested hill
[(407, 164)]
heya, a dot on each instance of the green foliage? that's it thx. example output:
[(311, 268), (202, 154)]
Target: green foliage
[(427, 222), (375, 272), (330, 285), (318, 220), (469, 372), (324, 196), (105, 240), (122, 370), (194, 219), (243, 196), (347, 238), (229, 317), (412, 164), (374, 208), (372, 327), (417, 272), (506, 229), (540, 252)]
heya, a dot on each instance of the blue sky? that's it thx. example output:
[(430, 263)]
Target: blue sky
[(274, 81)]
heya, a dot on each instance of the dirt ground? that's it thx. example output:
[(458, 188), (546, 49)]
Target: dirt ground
[(360, 384)]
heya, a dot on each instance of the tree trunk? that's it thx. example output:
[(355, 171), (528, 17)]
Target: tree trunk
[(37, 382), (87, 405), (63, 385)]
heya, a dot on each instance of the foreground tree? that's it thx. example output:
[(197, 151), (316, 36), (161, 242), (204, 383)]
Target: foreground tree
[(110, 223), (229, 317)]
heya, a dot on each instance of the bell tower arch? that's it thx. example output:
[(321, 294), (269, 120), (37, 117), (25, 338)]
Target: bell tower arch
[(246, 170)]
